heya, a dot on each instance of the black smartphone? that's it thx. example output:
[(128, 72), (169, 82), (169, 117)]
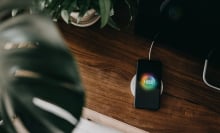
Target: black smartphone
[(148, 84)]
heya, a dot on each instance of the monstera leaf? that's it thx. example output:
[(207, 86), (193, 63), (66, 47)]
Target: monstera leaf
[(40, 89)]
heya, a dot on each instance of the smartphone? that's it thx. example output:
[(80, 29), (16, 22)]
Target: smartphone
[(148, 84)]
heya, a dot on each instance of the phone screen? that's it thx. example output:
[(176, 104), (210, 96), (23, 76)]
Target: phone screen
[(148, 84)]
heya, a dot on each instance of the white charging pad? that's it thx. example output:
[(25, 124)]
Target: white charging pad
[(132, 86)]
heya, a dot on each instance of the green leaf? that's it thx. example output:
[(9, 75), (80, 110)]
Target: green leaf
[(50, 10), (112, 24), (105, 6), (95, 5), (65, 16), (35, 64), (66, 3), (73, 6), (84, 6)]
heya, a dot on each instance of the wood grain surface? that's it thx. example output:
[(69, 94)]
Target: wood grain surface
[(107, 62)]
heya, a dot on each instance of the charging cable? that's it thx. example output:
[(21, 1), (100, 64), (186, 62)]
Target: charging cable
[(152, 44), (204, 69), (204, 73)]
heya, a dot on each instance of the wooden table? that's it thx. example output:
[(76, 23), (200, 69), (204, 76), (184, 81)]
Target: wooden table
[(107, 61)]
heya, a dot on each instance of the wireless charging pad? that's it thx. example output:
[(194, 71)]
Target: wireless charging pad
[(132, 86)]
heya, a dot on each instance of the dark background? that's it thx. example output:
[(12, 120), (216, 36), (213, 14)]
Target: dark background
[(191, 26)]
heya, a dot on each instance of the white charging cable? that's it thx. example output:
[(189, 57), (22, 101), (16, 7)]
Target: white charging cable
[(151, 46), (204, 77), (204, 69)]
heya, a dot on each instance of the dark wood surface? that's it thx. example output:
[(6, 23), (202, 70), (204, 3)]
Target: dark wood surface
[(107, 62)]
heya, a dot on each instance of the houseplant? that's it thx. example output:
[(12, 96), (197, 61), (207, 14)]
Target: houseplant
[(40, 88), (81, 9)]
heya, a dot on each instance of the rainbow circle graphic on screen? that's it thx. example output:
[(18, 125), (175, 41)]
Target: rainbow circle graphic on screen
[(148, 82)]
